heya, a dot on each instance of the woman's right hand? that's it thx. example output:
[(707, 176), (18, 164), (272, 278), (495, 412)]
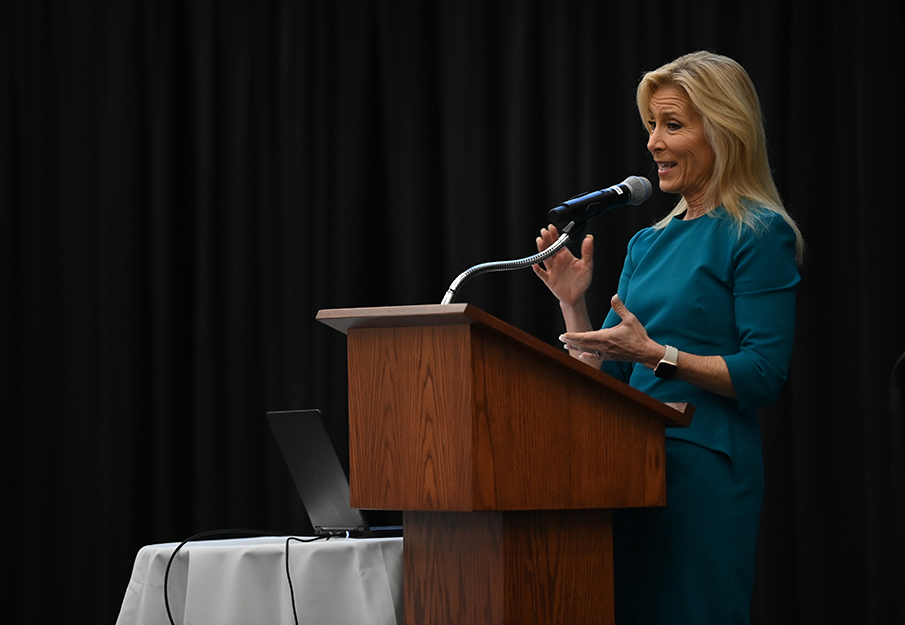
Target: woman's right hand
[(567, 277)]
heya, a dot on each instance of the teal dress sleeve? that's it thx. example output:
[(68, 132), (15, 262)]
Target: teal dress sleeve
[(763, 288)]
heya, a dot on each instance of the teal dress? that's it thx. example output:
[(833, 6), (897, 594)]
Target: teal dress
[(706, 288)]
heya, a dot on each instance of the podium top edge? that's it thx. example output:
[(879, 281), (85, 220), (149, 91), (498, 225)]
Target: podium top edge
[(345, 319)]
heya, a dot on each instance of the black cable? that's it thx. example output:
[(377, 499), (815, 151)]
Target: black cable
[(166, 575), (295, 614)]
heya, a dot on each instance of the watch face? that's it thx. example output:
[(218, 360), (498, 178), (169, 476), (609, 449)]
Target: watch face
[(665, 370)]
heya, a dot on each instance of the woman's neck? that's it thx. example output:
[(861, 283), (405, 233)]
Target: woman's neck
[(696, 207)]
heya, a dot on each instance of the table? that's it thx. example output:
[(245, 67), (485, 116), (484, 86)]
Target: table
[(342, 580)]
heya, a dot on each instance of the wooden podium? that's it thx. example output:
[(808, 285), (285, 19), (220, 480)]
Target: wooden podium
[(505, 455)]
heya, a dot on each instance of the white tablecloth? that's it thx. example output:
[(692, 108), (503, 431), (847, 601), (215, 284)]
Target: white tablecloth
[(220, 582)]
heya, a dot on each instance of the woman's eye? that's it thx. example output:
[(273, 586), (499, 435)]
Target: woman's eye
[(673, 125)]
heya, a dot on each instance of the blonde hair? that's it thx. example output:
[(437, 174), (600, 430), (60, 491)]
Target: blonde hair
[(722, 93)]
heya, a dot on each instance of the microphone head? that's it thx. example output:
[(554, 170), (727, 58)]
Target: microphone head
[(633, 190), (640, 189)]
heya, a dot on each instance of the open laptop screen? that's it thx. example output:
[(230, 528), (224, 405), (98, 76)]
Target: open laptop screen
[(320, 480)]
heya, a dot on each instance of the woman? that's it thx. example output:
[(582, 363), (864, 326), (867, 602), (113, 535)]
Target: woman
[(704, 314)]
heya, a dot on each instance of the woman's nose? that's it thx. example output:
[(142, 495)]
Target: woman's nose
[(654, 141)]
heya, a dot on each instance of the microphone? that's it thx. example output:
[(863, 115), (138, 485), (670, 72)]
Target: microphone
[(633, 190)]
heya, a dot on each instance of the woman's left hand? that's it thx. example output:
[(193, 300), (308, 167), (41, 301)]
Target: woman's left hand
[(626, 342), (629, 342)]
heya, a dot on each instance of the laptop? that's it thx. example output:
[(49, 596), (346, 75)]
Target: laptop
[(320, 480)]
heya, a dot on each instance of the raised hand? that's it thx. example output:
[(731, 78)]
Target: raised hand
[(567, 277)]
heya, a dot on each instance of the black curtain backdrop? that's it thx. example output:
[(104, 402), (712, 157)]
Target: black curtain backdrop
[(184, 184)]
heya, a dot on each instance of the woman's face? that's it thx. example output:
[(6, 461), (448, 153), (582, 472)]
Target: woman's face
[(679, 146)]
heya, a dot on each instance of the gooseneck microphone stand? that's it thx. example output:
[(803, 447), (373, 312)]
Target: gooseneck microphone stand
[(633, 190), (509, 265)]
